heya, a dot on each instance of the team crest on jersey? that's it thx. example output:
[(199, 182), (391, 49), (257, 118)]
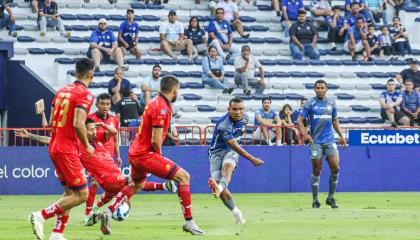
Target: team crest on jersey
[(168, 166), (89, 97), (77, 181)]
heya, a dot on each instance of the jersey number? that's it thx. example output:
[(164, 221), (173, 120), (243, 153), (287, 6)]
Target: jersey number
[(61, 107)]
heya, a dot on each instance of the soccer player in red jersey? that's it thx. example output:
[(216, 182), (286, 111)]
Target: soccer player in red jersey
[(70, 108), (145, 156)]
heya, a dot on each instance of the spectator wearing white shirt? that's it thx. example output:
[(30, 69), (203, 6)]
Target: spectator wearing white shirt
[(172, 37), (320, 9), (231, 15), (151, 85), (245, 66)]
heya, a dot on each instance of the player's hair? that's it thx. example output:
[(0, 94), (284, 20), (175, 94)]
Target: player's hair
[(116, 69), (408, 80), (157, 66), (89, 120), (396, 18), (125, 92), (245, 47), (235, 100), (212, 47), (168, 83), (359, 18), (302, 12), (390, 80), (303, 99), (320, 81), (220, 9), (83, 66), (283, 110), (335, 7), (130, 10), (383, 27), (266, 98), (355, 3), (103, 96)]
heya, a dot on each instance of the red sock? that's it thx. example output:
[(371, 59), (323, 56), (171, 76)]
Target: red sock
[(121, 197), (91, 198), (105, 198), (184, 195), (51, 211), (152, 186), (60, 223)]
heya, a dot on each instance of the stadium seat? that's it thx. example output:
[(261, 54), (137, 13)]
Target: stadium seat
[(348, 75), (37, 51), (300, 62), (42, 39), (81, 28), (343, 108), (76, 39), (357, 120), (205, 108), (255, 40), (54, 51), (195, 85), (277, 96), (364, 75), (343, 120), (272, 40), (243, 96), (316, 62), (362, 96), (191, 97), (318, 75), (297, 74), (331, 75), (105, 6), (201, 120), (363, 63), (281, 74), (188, 108), (259, 28), (267, 62), (363, 86), (68, 17), (349, 62), (167, 62), (374, 120), (25, 39), (378, 86), (348, 86), (85, 17), (293, 96), (183, 121), (21, 51), (379, 75), (344, 96), (279, 86), (90, 5), (151, 18), (359, 108), (333, 62), (265, 8), (74, 5), (295, 86)]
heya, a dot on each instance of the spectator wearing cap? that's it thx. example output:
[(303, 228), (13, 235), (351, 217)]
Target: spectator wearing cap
[(197, 35), (303, 37), (362, 8), (356, 40), (231, 15), (104, 47), (412, 73), (245, 66), (321, 9), (151, 85), (172, 37), (220, 36), (7, 19), (399, 36), (290, 9), (390, 101), (337, 30), (411, 102), (128, 35), (118, 85), (48, 16), (213, 73)]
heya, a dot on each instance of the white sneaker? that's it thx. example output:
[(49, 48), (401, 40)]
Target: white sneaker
[(191, 227), (105, 217), (238, 216), (125, 67), (37, 222), (57, 236), (170, 186)]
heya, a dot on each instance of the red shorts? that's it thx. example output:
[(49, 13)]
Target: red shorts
[(114, 183), (70, 170), (153, 163)]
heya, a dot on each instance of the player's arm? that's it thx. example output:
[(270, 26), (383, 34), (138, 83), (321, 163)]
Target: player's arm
[(303, 131), (79, 125), (261, 121), (23, 133), (235, 146), (337, 128), (51, 117), (44, 121), (157, 133)]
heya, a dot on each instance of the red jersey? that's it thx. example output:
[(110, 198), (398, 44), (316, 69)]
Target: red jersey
[(156, 114), (72, 96), (110, 120)]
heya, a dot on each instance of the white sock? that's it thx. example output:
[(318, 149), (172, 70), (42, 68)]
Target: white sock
[(220, 187), (164, 186), (236, 210)]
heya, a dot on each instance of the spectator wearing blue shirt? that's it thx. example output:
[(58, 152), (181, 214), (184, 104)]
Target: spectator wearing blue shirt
[(411, 102), (118, 85), (376, 10), (7, 19), (213, 73), (337, 30), (303, 38), (220, 36), (390, 101), (197, 35), (385, 42), (352, 17), (296, 113), (373, 41), (268, 123), (128, 35), (356, 40), (48, 16), (290, 9), (104, 46), (362, 8)]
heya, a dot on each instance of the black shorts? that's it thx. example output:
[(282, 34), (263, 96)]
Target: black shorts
[(397, 115), (120, 44)]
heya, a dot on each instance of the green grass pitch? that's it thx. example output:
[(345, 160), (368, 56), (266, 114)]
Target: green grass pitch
[(391, 215)]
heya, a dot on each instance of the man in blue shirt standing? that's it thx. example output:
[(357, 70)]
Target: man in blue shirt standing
[(390, 101), (411, 102), (104, 47), (220, 36), (290, 9), (224, 154), (322, 114), (128, 35), (356, 40)]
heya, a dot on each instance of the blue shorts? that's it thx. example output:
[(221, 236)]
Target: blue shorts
[(5, 21)]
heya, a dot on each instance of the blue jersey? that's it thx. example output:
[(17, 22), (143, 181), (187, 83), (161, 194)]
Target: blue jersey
[(221, 30), (350, 2), (103, 39), (292, 8), (351, 19), (320, 114), (356, 34), (411, 102), (267, 116), (391, 98), (226, 129), (128, 31), (338, 24)]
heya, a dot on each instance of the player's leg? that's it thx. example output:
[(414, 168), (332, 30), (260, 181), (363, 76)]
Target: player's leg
[(333, 161), (316, 157), (93, 189), (61, 220), (155, 186), (227, 200)]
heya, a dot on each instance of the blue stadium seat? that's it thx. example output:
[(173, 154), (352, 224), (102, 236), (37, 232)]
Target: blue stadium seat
[(359, 108), (198, 62), (363, 75), (138, 6), (357, 120), (329, 85), (325, 40), (202, 18), (244, 96), (241, 40), (273, 40), (185, 62), (195, 74), (266, 74), (191, 97), (284, 62), (117, 17), (293, 96), (154, 6), (134, 61), (309, 85), (25, 39), (94, 85), (205, 108), (297, 74), (247, 19), (144, 40), (103, 84), (65, 61), (349, 62), (167, 62), (268, 62), (214, 119), (398, 63), (380, 74), (82, 28), (229, 74), (314, 74), (277, 96), (17, 28), (247, 28), (344, 96), (86, 39), (265, 8), (323, 52), (333, 62), (151, 18), (138, 18), (154, 39), (99, 16), (54, 51), (150, 61), (181, 85), (343, 120), (191, 141), (378, 86), (316, 62), (145, 28), (416, 52), (166, 73), (382, 62), (230, 62), (195, 85), (75, 39), (109, 73), (259, 28), (412, 9), (281, 74), (392, 74), (180, 74), (37, 51), (336, 52), (99, 74), (184, 130), (68, 17), (256, 40), (258, 96), (247, 141), (300, 62), (85, 17), (363, 63), (374, 120)]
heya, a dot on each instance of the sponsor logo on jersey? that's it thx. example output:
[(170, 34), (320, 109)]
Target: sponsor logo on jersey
[(322, 116)]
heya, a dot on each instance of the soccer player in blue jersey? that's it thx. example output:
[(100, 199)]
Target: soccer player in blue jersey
[(128, 35), (322, 114), (224, 154)]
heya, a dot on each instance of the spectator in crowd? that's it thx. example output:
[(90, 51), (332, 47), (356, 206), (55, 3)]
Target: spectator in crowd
[(411, 102), (412, 73), (396, 4), (373, 41), (127, 109), (385, 42), (321, 10), (375, 10), (245, 66), (35, 4), (362, 8), (197, 36), (276, 7), (268, 122), (303, 37), (128, 35), (118, 85), (48, 16), (296, 113), (400, 37), (290, 134), (352, 17), (390, 101), (231, 15), (151, 85), (220, 36), (172, 137), (7, 19), (104, 47), (213, 73), (290, 10), (172, 37), (337, 30), (356, 40)]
